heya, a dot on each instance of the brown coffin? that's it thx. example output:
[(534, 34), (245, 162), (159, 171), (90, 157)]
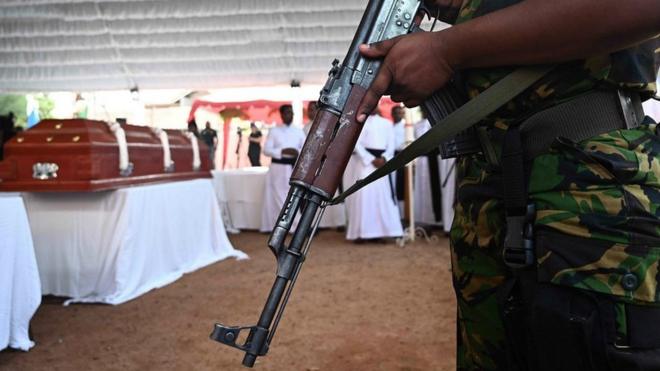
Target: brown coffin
[(83, 155), (182, 152)]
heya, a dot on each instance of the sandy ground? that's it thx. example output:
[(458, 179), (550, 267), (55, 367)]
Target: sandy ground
[(355, 307)]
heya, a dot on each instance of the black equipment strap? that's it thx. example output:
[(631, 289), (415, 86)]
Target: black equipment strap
[(464, 117), (518, 241)]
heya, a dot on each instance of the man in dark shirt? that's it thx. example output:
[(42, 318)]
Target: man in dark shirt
[(7, 130), (210, 137)]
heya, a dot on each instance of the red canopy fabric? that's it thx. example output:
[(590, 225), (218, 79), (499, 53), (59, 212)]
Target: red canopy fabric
[(260, 110), (265, 110)]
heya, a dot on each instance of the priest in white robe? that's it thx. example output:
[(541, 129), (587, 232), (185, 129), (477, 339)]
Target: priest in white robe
[(283, 146), (398, 177), (374, 212), (349, 178), (311, 113), (434, 186), (334, 215)]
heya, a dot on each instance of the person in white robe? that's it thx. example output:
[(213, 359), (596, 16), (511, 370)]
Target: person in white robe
[(349, 178), (434, 208), (398, 177), (311, 113), (283, 146), (373, 211)]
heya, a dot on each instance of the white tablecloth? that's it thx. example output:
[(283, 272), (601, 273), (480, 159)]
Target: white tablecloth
[(652, 108), (20, 291), (242, 191), (111, 247)]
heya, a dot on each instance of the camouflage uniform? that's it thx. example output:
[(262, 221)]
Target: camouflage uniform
[(598, 203)]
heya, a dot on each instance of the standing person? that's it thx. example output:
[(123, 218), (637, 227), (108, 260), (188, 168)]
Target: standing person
[(8, 130), (311, 113), (349, 178), (283, 145), (399, 126), (585, 297), (2, 137), (254, 148), (192, 127), (374, 213), (239, 134), (434, 186), (210, 137)]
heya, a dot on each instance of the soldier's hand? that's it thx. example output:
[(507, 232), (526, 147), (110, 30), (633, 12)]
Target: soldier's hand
[(378, 162), (414, 66), (445, 10)]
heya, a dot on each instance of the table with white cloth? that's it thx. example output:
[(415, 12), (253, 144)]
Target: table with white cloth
[(20, 290), (242, 191), (113, 246)]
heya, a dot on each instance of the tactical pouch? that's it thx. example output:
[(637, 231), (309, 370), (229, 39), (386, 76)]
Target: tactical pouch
[(570, 329), (578, 307)]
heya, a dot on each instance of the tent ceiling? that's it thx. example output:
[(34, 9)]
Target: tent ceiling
[(83, 45)]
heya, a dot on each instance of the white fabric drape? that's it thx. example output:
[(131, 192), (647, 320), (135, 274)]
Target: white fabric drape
[(20, 290), (48, 45), (242, 191), (111, 247)]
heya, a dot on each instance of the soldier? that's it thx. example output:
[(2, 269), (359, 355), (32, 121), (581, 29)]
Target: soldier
[(589, 299)]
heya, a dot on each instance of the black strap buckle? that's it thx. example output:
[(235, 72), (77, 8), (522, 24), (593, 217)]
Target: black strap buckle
[(519, 239)]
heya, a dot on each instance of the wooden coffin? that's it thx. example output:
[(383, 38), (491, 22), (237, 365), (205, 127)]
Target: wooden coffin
[(88, 155), (183, 153)]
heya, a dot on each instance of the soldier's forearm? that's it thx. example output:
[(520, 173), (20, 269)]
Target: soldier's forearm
[(541, 31)]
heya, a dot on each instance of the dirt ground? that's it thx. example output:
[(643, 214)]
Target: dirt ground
[(355, 307)]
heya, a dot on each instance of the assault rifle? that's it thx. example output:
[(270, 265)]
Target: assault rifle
[(322, 161)]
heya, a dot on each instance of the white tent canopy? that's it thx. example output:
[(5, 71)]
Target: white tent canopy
[(83, 45)]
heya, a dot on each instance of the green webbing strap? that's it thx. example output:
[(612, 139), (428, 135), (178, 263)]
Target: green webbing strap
[(465, 116)]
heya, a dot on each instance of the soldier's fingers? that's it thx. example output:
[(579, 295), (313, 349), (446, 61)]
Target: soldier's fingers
[(379, 49), (378, 88)]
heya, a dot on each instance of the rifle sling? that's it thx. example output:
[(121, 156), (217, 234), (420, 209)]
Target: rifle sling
[(464, 117)]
